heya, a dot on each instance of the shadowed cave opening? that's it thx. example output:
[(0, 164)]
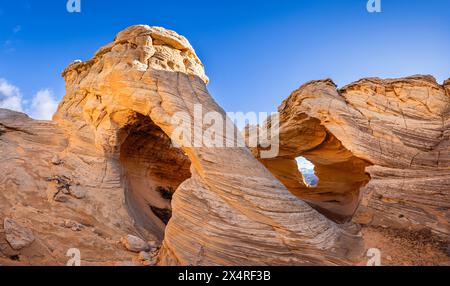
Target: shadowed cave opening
[(318, 169), (328, 177), (339, 177), (153, 169)]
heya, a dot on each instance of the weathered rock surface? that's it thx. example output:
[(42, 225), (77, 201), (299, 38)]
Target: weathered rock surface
[(381, 150), (17, 236), (107, 167), (30, 184), (123, 101), (134, 243), (110, 138)]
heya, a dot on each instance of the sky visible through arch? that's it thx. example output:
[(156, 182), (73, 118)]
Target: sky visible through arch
[(307, 169), (255, 52)]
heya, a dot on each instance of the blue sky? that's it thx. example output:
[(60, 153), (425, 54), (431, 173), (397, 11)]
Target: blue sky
[(255, 52)]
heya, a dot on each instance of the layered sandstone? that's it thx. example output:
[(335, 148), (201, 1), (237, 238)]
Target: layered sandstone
[(107, 168), (381, 149), (34, 193), (108, 177)]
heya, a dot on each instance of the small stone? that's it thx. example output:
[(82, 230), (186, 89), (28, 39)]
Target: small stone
[(146, 258), (56, 161), (17, 236), (61, 198), (134, 243), (143, 255), (73, 225), (77, 192)]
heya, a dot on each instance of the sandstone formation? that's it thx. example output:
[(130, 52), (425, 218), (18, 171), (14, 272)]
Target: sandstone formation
[(110, 139), (381, 149), (134, 244), (17, 236), (108, 177), (28, 178)]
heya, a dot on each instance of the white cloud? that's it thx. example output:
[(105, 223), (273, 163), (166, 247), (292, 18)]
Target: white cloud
[(303, 163), (10, 96), (43, 105)]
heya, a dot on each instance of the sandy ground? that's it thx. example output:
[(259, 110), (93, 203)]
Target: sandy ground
[(404, 248), (397, 247)]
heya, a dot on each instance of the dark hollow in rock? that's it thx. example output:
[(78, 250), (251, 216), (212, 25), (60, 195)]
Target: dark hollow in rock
[(166, 193), (14, 257), (163, 214)]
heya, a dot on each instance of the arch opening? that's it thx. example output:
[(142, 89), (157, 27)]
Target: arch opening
[(341, 176), (315, 166), (152, 169), (307, 169)]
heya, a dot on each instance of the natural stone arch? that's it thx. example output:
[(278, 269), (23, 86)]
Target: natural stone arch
[(395, 130), (340, 173), (232, 203)]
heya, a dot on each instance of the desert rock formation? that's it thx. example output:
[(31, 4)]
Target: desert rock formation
[(105, 168), (381, 149), (107, 177)]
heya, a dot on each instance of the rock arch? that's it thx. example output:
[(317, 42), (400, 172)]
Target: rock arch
[(232, 211), (69, 180), (393, 132), (341, 174)]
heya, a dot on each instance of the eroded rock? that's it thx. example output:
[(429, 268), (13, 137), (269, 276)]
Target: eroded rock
[(77, 192), (147, 258), (113, 127), (134, 243), (56, 161), (73, 225), (134, 86), (18, 236), (381, 148)]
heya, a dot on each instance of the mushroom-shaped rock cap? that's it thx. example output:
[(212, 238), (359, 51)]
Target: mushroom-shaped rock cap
[(150, 47)]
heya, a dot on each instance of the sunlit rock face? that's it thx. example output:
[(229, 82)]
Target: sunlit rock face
[(381, 151), (106, 176), (106, 168)]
